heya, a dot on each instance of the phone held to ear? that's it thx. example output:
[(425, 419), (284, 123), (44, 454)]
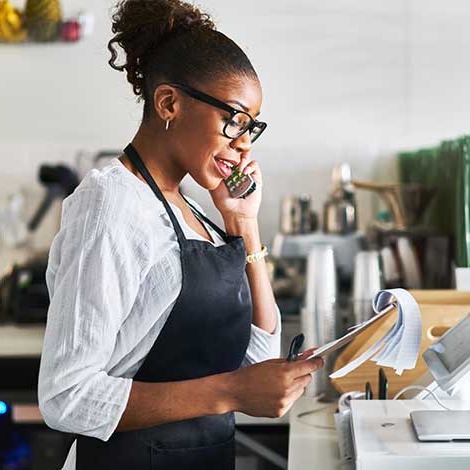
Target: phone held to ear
[(239, 185)]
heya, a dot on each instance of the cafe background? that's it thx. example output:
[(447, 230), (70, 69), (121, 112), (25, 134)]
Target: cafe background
[(343, 81)]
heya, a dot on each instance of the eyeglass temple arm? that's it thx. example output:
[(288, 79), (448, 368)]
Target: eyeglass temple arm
[(203, 97)]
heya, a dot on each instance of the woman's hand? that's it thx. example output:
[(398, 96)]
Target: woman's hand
[(270, 388), (234, 208)]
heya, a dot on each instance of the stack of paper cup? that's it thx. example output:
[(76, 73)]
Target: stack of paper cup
[(367, 282), (318, 316)]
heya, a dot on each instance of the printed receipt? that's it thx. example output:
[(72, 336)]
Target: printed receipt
[(398, 348)]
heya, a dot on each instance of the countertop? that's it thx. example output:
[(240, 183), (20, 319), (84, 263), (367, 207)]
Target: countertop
[(21, 340), (313, 443)]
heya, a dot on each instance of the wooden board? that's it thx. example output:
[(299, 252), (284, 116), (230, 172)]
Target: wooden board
[(448, 297), (440, 310)]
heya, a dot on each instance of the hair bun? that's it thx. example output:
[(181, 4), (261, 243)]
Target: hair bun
[(185, 16), (141, 26)]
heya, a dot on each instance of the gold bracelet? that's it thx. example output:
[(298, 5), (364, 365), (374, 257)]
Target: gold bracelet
[(255, 257)]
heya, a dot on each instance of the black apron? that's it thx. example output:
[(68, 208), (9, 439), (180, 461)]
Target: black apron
[(206, 333)]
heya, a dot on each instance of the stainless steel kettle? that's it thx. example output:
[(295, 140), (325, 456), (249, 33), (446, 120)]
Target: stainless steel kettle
[(339, 211), (297, 215)]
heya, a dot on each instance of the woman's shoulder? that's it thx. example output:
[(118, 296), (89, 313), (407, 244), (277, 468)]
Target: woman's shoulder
[(110, 197)]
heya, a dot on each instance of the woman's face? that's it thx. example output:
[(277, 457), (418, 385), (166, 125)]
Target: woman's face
[(202, 147)]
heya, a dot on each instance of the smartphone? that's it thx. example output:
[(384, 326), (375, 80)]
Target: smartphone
[(239, 185)]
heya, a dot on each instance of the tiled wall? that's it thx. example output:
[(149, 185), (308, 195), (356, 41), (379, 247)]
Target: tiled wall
[(343, 80)]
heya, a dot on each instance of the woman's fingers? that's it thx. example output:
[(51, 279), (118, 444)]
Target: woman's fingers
[(245, 159), (270, 387), (299, 384), (299, 368), (252, 169), (306, 353), (297, 394), (303, 381), (293, 397)]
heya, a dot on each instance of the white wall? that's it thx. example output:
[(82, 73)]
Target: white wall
[(344, 80)]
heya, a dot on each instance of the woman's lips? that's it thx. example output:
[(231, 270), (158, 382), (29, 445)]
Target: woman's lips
[(224, 168)]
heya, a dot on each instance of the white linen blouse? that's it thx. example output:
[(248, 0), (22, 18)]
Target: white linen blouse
[(113, 275)]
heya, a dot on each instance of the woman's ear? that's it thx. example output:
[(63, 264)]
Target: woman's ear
[(166, 102)]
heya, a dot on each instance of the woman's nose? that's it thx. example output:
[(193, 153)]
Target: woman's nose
[(242, 143)]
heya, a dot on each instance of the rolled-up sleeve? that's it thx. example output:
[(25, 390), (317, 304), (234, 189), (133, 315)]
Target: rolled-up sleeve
[(93, 282), (263, 345)]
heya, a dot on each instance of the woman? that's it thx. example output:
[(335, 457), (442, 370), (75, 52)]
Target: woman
[(158, 328)]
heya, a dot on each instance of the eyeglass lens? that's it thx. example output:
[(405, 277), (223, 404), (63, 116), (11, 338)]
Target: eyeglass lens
[(237, 125), (256, 132)]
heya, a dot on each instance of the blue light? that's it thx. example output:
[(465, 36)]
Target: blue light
[(3, 408)]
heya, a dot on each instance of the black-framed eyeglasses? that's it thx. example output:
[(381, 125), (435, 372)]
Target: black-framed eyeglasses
[(239, 121)]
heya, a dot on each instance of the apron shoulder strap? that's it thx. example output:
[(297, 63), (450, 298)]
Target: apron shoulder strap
[(134, 157), (207, 220)]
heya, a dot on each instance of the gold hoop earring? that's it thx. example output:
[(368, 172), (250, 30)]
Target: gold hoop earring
[(167, 124)]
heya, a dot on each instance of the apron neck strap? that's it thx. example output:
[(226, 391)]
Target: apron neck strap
[(208, 221), (134, 157)]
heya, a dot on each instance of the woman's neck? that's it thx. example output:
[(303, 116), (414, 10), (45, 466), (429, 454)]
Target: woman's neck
[(154, 152)]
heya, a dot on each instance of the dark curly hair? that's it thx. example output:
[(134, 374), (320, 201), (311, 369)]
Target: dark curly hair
[(171, 40)]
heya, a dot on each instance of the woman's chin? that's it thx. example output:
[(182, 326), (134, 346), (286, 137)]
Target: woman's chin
[(211, 183), (216, 184)]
